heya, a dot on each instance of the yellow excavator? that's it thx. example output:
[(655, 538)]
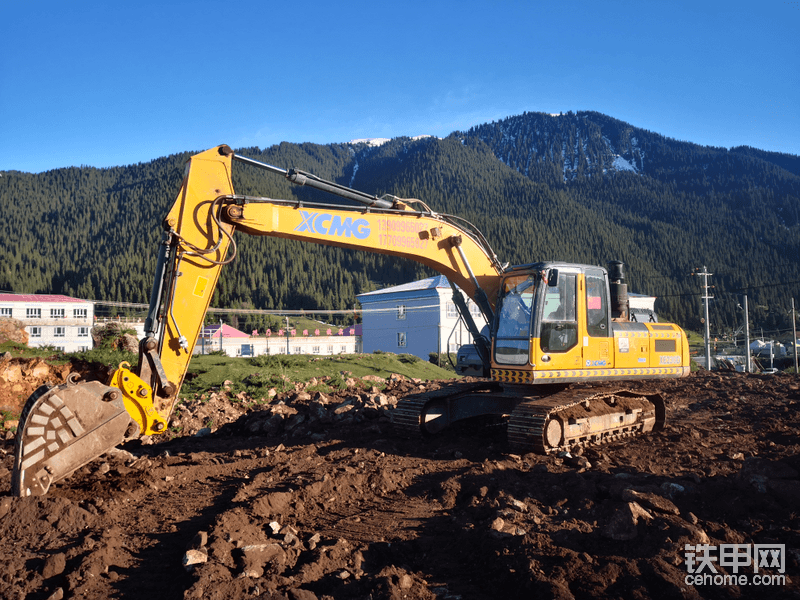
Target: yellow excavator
[(550, 326)]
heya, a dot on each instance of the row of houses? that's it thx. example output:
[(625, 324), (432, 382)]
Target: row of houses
[(415, 318), (326, 341)]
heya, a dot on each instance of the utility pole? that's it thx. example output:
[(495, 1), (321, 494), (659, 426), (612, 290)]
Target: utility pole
[(794, 339), (706, 298), (220, 336), (746, 334)]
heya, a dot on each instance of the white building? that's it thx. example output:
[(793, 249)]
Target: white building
[(415, 318), (51, 320)]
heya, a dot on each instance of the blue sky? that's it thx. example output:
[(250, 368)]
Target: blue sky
[(115, 83)]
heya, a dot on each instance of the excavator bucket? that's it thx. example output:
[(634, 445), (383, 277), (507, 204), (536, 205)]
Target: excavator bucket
[(61, 429)]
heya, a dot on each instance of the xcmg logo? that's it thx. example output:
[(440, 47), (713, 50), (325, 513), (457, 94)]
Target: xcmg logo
[(328, 224)]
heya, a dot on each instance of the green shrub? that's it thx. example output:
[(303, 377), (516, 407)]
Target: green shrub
[(443, 360), (408, 359)]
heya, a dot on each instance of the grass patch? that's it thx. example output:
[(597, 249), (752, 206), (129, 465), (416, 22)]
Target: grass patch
[(49, 353), (259, 374), (7, 415), (105, 356), (110, 357)]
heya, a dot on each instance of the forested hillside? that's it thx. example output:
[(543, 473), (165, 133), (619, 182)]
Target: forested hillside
[(580, 187)]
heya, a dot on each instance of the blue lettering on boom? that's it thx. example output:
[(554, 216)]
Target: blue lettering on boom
[(327, 224)]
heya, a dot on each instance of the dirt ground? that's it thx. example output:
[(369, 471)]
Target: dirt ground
[(313, 496)]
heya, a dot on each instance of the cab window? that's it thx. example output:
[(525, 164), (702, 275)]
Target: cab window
[(596, 304)]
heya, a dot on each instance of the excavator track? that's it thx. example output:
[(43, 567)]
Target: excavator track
[(559, 421), (581, 418), (430, 412), (61, 429)]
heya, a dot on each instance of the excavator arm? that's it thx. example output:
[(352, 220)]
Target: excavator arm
[(64, 427)]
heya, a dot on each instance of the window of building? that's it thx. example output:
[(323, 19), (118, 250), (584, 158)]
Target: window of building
[(401, 339), (57, 313), (59, 331), (343, 350), (454, 347), (5, 312), (401, 312), (79, 313), (297, 349), (35, 331), (83, 332), (474, 310), (452, 313), (33, 313), (83, 348), (314, 349), (330, 349)]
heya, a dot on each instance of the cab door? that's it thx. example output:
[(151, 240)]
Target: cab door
[(559, 345), (597, 338)]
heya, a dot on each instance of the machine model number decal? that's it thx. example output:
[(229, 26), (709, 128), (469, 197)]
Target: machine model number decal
[(669, 360), (334, 225), (596, 363)]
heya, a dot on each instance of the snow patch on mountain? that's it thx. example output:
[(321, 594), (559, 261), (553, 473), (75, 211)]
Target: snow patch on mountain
[(620, 164), (374, 142)]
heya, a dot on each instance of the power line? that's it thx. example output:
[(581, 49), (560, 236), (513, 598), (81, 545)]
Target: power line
[(766, 285), (294, 312)]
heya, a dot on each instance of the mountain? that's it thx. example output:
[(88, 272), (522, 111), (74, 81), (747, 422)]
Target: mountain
[(684, 206), (582, 187)]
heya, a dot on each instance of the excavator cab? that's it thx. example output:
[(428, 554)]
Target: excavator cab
[(551, 317), (537, 316)]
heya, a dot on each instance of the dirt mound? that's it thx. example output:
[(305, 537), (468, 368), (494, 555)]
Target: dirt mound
[(12, 330), (115, 336), (19, 377), (312, 496)]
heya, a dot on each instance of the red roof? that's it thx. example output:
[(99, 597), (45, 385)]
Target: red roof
[(227, 331), (38, 298)]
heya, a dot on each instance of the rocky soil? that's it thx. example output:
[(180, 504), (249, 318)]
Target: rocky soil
[(313, 496)]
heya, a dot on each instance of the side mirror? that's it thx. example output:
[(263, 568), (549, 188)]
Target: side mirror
[(552, 278)]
